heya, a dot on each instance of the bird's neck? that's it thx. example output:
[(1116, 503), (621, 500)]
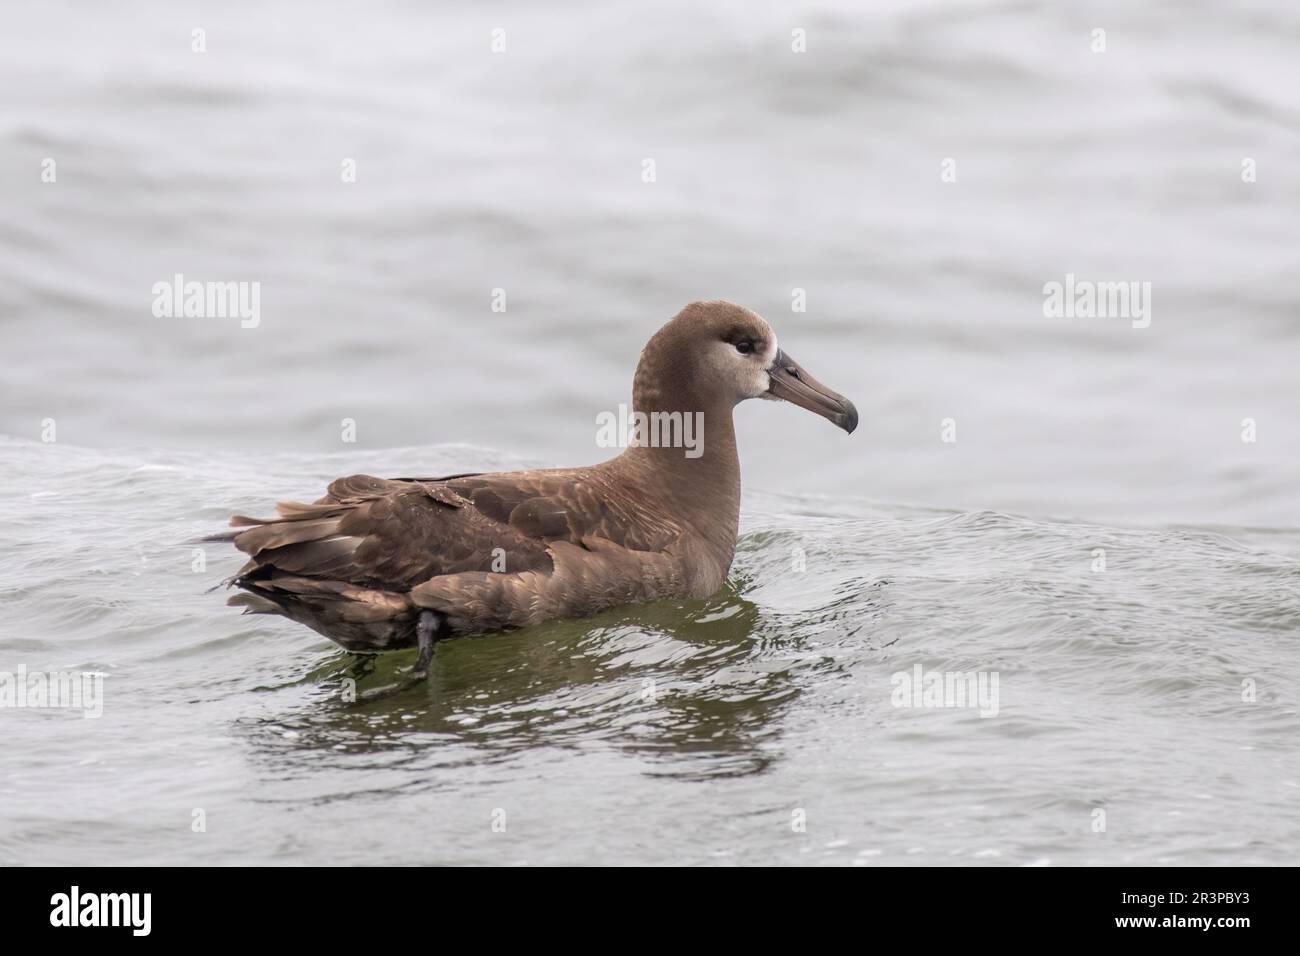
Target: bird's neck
[(686, 458)]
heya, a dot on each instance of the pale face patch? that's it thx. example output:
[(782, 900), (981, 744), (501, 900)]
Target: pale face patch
[(745, 374)]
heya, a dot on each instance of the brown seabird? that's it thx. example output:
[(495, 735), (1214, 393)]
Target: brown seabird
[(381, 564)]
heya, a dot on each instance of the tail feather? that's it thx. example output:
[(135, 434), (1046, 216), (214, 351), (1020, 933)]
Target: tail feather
[(254, 603), (226, 537), (299, 566), (281, 533), (327, 557)]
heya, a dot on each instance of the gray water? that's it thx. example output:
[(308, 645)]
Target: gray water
[(1152, 692)]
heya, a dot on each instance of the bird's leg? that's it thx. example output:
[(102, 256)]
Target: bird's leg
[(425, 628)]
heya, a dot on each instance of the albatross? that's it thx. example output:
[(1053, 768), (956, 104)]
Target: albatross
[(382, 564)]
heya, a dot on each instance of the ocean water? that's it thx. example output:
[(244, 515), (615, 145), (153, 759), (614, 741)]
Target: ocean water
[(1101, 538)]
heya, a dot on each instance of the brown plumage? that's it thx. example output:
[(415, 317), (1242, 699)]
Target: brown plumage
[(487, 552)]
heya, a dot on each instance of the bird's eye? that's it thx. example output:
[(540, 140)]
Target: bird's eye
[(744, 348)]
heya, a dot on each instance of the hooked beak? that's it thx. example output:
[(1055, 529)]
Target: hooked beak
[(792, 383)]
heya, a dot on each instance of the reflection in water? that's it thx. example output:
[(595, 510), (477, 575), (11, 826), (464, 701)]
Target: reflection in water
[(697, 688)]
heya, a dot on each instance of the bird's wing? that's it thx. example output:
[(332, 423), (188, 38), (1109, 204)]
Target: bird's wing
[(567, 505), (393, 534)]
